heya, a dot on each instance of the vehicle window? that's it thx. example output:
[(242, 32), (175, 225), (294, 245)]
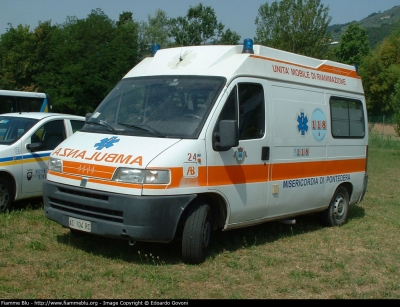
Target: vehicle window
[(251, 111), (12, 128), (166, 106), (347, 117), (246, 105), (52, 134), (6, 104), (76, 125), (29, 104)]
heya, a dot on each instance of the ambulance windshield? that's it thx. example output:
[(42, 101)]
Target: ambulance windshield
[(158, 106)]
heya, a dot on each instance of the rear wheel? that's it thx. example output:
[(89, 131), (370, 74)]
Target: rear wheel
[(336, 213), (6, 197), (197, 234)]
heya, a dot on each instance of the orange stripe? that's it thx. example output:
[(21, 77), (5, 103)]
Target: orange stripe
[(236, 174), (338, 71), (177, 178), (92, 170), (63, 175), (323, 68), (297, 170), (240, 174)]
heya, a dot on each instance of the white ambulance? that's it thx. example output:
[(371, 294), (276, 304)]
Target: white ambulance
[(26, 141), (200, 138)]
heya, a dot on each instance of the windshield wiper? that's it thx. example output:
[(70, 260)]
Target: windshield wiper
[(105, 124), (145, 128)]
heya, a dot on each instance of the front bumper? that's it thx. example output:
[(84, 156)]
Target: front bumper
[(137, 218)]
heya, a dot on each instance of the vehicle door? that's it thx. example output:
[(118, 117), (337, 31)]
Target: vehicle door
[(241, 173), (35, 163)]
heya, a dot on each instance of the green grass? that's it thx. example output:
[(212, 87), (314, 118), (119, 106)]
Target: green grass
[(359, 260), (389, 142)]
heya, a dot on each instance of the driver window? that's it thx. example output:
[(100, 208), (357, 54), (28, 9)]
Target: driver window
[(50, 134), (246, 105)]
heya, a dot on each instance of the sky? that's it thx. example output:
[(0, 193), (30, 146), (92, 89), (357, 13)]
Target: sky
[(237, 15)]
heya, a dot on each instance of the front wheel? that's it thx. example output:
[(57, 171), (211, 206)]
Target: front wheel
[(197, 234), (6, 197), (336, 213)]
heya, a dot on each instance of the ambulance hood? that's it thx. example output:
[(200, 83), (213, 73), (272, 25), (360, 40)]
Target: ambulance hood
[(112, 150)]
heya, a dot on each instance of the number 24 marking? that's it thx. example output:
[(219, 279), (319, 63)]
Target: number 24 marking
[(192, 157)]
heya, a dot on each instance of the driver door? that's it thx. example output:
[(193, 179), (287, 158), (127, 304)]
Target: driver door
[(35, 164)]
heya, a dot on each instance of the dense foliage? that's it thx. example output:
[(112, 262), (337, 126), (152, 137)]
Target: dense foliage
[(298, 26), (80, 61), (381, 77), (77, 63), (353, 46)]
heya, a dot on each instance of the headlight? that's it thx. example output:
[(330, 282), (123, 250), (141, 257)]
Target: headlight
[(132, 175), (55, 165)]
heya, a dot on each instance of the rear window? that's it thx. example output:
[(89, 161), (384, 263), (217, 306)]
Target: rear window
[(347, 117)]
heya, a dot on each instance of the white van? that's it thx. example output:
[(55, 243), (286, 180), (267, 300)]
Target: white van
[(200, 138), (26, 141)]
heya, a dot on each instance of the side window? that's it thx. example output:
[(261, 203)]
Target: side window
[(251, 111), (229, 111), (76, 125), (29, 104), (7, 104), (53, 134), (347, 118), (246, 105)]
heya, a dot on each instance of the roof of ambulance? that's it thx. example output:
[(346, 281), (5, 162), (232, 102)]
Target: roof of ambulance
[(231, 61), (218, 60)]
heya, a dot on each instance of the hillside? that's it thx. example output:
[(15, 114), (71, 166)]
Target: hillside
[(378, 25)]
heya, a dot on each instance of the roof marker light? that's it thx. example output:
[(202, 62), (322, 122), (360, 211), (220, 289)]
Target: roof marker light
[(248, 46), (154, 49), (356, 67)]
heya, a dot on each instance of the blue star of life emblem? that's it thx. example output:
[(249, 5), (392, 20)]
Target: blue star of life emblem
[(302, 126), (106, 143)]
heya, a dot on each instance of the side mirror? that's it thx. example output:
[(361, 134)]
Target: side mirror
[(227, 137), (87, 116), (35, 146)]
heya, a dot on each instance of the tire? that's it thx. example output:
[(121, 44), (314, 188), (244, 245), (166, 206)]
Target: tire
[(6, 195), (196, 237), (336, 213)]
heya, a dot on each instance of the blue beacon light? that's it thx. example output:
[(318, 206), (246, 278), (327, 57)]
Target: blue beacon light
[(154, 49), (248, 46)]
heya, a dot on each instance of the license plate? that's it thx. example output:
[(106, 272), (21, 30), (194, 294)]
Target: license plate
[(80, 224)]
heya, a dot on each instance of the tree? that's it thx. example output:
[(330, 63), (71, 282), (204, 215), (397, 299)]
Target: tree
[(298, 26), (200, 27), (88, 57), (396, 106), (381, 72), (155, 31), (354, 45), (229, 37), (17, 57)]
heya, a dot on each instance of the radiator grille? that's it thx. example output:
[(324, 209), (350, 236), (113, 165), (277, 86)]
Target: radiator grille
[(84, 209)]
